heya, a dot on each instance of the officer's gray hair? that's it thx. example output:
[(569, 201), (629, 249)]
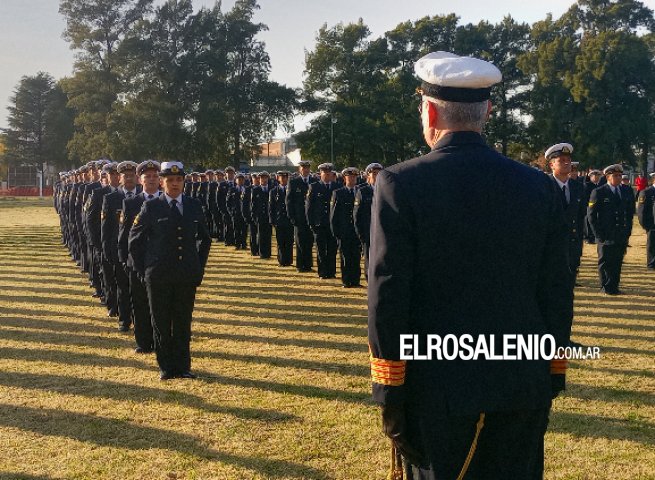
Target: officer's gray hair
[(462, 116)]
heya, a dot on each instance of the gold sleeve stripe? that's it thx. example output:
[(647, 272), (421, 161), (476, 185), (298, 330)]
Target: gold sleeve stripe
[(558, 366), (388, 372)]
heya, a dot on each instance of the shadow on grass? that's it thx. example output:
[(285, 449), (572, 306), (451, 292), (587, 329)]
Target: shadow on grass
[(294, 342), (21, 476), (122, 392), (609, 394), (616, 326), (107, 432), (293, 325), (592, 426), (77, 340), (614, 371), (344, 369), (310, 391)]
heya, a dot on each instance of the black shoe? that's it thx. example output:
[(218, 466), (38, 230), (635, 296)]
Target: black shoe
[(142, 350), (188, 375), (123, 328), (304, 270), (165, 376), (103, 301), (112, 313)]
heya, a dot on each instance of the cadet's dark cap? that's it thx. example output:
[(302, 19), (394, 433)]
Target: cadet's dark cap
[(126, 166), (147, 165), (651, 175), (625, 177), (83, 169), (264, 174), (219, 172), (172, 168), (283, 173), (91, 164), (101, 162), (229, 169), (304, 163), (349, 171), (209, 172), (558, 149), (575, 165), (452, 78), (240, 175), (612, 169), (326, 166), (595, 172), (111, 167)]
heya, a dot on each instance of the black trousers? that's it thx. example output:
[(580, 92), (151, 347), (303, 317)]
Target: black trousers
[(254, 245), (123, 296), (264, 239), (326, 252), (351, 255), (510, 446), (610, 261), (96, 269), (228, 229), (219, 230), (171, 305), (141, 311), (304, 245), (240, 232), (650, 248), (284, 237), (110, 287)]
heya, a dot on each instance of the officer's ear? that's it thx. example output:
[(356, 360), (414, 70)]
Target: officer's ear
[(490, 108)]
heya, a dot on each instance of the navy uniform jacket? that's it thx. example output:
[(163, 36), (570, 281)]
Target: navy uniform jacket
[(362, 213), (609, 217), (341, 214), (481, 258), (646, 207), (277, 207), (131, 208), (246, 197), (233, 202), (296, 193), (317, 204), (112, 209), (167, 248), (221, 197), (259, 205), (211, 197), (574, 213), (93, 215)]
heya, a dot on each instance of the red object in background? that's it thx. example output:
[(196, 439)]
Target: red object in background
[(641, 183), (25, 192)]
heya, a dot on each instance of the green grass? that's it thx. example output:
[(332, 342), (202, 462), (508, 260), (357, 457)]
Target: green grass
[(284, 388)]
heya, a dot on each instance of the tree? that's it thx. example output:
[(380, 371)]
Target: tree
[(95, 29), (39, 123)]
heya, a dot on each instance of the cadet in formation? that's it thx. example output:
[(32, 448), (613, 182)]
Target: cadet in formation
[(611, 210), (646, 214), (317, 210), (343, 228), (362, 210)]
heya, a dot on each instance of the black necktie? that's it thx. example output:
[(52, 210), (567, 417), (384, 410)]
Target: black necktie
[(150, 197), (174, 210), (617, 193), (566, 202)]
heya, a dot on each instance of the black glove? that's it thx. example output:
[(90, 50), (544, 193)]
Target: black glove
[(394, 426), (557, 383)]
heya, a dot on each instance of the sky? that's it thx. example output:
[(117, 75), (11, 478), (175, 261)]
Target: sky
[(31, 30)]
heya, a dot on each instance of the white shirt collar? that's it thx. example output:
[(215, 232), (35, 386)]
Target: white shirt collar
[(561, 184), (170, 199)]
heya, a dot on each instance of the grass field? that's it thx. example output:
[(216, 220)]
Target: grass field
[(284, 387)]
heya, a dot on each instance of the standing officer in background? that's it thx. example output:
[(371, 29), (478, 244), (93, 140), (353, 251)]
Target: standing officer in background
[(610, 211), (148, 172), (234, 205), (342, 224), (303, 236), (317, 210), (589, 186), (112, 212), (169, 244), (362, 210), (259, 212), (279, 218), (575, 210), (246, 198), (645, 214), (453, 418)]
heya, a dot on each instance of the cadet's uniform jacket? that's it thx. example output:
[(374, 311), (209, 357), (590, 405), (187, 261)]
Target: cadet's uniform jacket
[(94, 214), (611, 217), (277, 207), (646, 207), (480, 260), (296, 193), (341, 214), (170, 247), (575, 211), (362, 213), (317, 204), (112, 209)]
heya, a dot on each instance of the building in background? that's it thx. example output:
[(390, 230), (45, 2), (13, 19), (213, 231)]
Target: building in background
[(276, 155)]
